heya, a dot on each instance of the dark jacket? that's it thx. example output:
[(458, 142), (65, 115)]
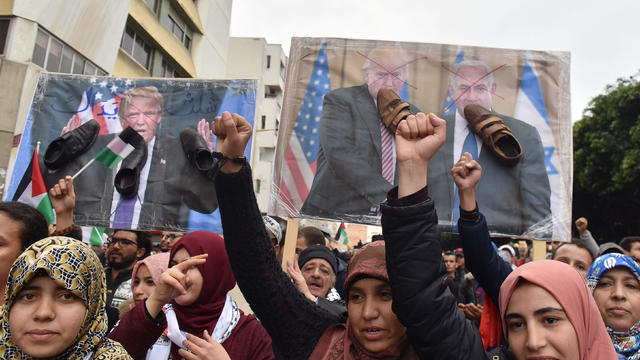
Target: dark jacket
[(294, 323), (421, 300)]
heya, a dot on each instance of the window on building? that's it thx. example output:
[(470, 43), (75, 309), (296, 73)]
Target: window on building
[(180, 28), (267, 153), (271, 92), (283, 70), (55, 56), (264, 121), (258, 184), (133, 44), (4, 30), (152, 4), (268, 61), (167, 70)]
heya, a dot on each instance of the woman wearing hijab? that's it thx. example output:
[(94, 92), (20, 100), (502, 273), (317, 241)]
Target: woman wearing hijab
[(547, 312), (146, 274), (298, 327), (55, 304), (614, 280), (192, 303)]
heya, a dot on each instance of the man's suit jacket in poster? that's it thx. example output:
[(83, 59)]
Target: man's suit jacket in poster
[(511, 198), (348, 182), (171, 182)]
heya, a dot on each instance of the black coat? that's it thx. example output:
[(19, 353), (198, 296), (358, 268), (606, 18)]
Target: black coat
[(421, 300)]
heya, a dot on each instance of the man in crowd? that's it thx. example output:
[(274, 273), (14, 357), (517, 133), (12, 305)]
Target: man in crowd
[(307, 236), (631, 246), (349, 179), (460, 287), (318, 266), (513, 198), (168, 239), (124, 249), (20, 226)]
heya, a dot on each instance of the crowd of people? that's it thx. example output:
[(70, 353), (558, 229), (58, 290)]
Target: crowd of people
[(400, 297)]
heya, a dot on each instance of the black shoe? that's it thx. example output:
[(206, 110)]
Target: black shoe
[(69, 145), (128, 177), (196, 150)]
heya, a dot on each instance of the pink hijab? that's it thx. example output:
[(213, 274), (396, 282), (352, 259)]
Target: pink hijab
[(157, 264), (568, 288)]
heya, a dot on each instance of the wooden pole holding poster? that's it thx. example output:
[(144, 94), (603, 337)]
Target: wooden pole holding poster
[(539, 249), (289, 251)]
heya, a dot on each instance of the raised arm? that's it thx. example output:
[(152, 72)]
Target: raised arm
[(421, 300), (294, 323), (481, 259)]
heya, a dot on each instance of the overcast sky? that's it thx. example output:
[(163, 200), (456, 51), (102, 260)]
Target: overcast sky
[(602, 36)]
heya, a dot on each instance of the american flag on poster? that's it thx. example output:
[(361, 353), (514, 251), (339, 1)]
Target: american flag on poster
[(100, 102), (302, 151), (449, 102)]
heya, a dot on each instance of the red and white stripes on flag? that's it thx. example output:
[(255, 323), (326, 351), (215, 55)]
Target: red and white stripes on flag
[(388, 165)]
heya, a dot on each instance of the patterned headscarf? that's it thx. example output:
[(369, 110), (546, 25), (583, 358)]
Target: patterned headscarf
[(627, 344), (74, 265)]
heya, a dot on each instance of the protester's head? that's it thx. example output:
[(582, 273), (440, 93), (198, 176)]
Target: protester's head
[(460, 262), (385, 67), (141, 108), (125, 247), (168, 239), (631, 246), (210, 282), (318, 265), (274, 231), (548, 312), (450, 264), (146, 274), (54, 302), (307, 236), (614, 280), (610, 248), (371, 320), (20, 226), (471, 82), (575, 255)]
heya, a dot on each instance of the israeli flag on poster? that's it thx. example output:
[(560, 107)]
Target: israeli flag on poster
[(530, 107)]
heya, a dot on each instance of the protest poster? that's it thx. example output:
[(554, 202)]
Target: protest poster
[(170, 194), (333, 158)]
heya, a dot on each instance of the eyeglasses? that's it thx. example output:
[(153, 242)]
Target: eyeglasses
[(122, 241)]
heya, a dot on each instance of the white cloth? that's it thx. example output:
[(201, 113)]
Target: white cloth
[(227, 321), (460, 132)]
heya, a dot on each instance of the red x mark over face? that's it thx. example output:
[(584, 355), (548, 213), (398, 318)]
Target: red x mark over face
[(472, 85), (386, 69)]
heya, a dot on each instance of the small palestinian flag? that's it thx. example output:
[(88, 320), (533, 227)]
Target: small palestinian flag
[(32, 190), (341, 235), (119, 148)]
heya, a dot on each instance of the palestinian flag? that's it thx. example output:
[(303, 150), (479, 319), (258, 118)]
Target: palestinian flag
[(32, 190), (341, 235), (119, 148), (93, 235)]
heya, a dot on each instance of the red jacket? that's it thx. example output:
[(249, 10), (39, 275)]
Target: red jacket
[(137, 333)]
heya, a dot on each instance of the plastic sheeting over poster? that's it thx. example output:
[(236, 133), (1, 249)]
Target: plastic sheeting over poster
[(171, 194), (329, 156)]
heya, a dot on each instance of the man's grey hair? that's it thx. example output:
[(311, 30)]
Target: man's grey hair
[(383, 50), (470, 63)]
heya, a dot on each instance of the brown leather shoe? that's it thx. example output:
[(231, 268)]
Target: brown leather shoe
[(392, 109), (494, 133)]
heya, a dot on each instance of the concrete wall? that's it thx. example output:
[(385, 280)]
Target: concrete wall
[(91, 27), (209, 51), (18, 85)]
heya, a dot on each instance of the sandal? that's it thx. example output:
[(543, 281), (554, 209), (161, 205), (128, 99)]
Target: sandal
[(494, 133), (392, 109)]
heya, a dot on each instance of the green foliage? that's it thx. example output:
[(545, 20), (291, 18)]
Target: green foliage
[(606, 162)]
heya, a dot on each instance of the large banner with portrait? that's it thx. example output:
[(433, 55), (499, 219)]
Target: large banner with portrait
[(161, 184), (335, 157)]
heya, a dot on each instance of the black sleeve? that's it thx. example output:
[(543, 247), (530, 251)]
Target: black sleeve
[(294, 323), (436, 327)]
